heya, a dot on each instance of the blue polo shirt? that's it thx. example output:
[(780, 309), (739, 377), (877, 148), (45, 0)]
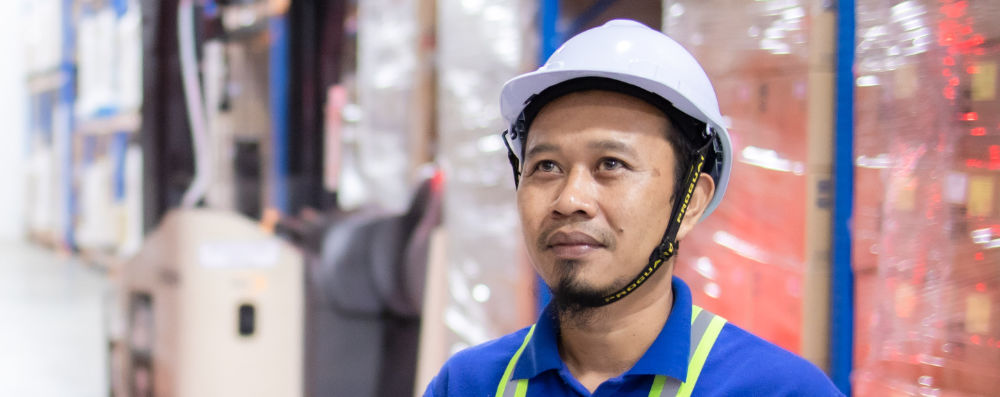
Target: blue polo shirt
[(739, 364)]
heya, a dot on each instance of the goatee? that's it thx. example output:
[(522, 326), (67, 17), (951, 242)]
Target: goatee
[(576, 301)]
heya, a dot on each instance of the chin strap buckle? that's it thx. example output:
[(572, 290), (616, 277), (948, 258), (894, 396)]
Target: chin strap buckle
[(664, 251), (515, 163), (667, 250)]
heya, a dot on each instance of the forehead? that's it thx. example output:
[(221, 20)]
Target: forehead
[(598, 111)]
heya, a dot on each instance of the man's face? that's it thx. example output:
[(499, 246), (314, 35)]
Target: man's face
[(594, 197)]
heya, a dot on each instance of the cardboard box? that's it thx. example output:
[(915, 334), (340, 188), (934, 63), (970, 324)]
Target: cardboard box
[(772, 69)]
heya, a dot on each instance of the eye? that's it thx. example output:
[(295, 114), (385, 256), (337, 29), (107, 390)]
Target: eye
[(609, 163), (546, 166)]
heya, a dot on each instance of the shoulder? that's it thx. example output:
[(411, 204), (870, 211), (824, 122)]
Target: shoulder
[(476, 371), (742, 363)]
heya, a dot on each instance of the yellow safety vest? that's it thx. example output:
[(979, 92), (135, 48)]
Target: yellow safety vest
[(705, 329)]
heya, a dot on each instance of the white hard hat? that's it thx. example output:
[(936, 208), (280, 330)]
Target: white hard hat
[(632, 53)]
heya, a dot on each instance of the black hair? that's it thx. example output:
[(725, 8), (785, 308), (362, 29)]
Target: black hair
[(684, 150)]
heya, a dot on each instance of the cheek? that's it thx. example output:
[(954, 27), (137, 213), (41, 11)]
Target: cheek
[(642, 211), (524, 207), (531, 211), (642, 221)]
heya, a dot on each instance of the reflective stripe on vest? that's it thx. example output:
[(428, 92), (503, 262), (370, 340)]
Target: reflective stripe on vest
[(705, 329)]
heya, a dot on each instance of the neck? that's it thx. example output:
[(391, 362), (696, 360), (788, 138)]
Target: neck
[(607, 341)]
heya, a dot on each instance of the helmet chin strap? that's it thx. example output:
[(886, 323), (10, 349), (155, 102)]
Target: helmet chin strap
[(668, 244), (515, 164)]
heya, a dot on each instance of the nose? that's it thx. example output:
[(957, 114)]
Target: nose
[(576, 195)]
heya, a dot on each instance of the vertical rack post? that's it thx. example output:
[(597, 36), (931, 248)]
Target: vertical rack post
[(548, 16), (67, 97), (278, 91), (842, 288)]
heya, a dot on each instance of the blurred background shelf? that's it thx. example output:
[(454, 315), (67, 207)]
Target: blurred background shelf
[(128, 122), (45, 81)]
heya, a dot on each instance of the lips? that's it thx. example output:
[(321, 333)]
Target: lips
[(573, 244)]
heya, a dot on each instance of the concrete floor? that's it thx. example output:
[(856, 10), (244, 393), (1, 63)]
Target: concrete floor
[(52, 324)]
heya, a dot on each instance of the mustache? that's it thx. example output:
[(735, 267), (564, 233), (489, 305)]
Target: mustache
[(602, 236)]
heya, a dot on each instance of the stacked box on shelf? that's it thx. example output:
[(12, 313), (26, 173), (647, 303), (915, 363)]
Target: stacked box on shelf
[(762, 259), (926, 213), (40, 181), (83, 78), (108, 181), (50, 74), (108, 213)]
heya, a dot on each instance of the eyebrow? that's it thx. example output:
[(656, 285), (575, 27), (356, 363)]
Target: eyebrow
[(602, 145), (541, 148), (613, 146)]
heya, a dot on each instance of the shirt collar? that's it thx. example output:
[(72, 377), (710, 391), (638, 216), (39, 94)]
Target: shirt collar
[(542, 352), (668, 355)]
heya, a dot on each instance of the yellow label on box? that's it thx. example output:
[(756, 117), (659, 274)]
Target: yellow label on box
[(905, 81), (977, 313), (980, 195), (906, 194), (905, 300), (984, 81)]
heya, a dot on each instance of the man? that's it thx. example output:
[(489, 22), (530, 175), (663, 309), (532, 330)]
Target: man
[(619, 149)]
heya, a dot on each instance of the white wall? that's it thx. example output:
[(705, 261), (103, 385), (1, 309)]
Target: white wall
[(13, 123)]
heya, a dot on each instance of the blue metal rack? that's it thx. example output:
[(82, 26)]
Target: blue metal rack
[(67, 97), (550, 36), (278, 91), (119, 152), (842, 287)]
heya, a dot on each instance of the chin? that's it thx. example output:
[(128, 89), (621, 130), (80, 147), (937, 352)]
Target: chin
[(576, 290)]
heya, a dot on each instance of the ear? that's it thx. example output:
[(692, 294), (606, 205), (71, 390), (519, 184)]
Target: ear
[(700, 198)]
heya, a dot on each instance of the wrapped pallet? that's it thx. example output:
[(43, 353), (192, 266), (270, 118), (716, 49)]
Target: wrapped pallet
[(762, 259), (927, 152), (478, 286), (394, 105)]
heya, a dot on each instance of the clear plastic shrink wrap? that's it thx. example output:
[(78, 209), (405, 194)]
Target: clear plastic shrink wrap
[(762, 258), (487, 286), (927, 221), (388, 45)]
